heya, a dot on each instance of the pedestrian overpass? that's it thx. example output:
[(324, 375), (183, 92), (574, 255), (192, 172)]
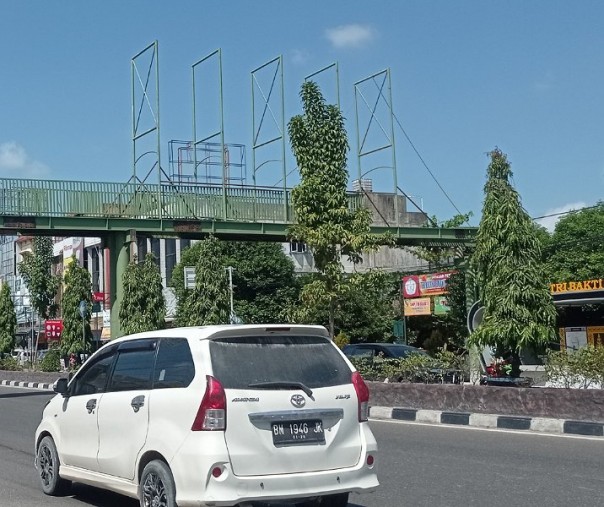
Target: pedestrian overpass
[(116, 212)]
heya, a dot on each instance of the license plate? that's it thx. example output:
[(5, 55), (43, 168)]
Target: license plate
[(298, 432)]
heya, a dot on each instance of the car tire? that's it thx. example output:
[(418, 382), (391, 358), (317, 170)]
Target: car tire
[(156, 487), (48, 469)]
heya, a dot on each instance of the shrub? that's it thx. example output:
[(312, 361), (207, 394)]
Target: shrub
[(10, 363), (446, 367), (581, 369), (51, 361)]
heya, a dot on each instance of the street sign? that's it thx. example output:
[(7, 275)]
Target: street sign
[(83, 309)]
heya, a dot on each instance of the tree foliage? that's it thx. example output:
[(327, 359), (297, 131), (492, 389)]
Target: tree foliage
[(575, 250), (264, 281), (35, 269), (143, 306), (519, 311), (367, 306), (76, 336), (324, 221), (8, 320), (209, 302)]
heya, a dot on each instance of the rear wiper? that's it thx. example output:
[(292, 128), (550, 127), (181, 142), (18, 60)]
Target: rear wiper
[(282, 385)]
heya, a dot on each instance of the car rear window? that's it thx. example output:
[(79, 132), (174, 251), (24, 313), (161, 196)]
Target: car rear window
[(238, 362)]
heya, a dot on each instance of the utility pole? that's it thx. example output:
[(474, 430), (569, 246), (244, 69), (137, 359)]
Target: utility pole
[(230, 270)]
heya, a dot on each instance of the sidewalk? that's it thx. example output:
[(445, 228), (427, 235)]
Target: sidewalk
[(45, 381)]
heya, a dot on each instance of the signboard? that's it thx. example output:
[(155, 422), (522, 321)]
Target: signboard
[(583, 286), (432, 284), (53, 329), (440, 305), (411, 286), (417, 306)]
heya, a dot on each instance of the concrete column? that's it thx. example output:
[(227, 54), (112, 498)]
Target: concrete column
[(119, 257)]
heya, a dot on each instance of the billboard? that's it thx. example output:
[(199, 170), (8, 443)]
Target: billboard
[(433, 284), (417, 306)]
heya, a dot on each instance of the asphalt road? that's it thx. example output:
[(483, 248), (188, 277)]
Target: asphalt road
[(420, 465)]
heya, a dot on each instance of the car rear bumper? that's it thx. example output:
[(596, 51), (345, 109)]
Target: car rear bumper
[(229, 489)]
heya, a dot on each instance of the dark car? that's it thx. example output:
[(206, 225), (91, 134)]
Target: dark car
[(385, 350)]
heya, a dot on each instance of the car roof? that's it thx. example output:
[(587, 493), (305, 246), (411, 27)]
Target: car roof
[(206, 332)]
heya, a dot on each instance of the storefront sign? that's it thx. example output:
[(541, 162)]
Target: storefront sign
[(418, 306), (585, 285)]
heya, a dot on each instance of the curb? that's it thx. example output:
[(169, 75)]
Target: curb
[(28, 385), (536, 424)]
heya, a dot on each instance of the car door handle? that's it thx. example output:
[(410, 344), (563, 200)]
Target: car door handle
[(90, 405), (137, 402)]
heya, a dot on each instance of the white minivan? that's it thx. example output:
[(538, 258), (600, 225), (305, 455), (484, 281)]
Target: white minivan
[(213, 416)]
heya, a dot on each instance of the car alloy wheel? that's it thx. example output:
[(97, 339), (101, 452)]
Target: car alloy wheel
[(156, 487), (47, 466), (154, 492), (47, 463)]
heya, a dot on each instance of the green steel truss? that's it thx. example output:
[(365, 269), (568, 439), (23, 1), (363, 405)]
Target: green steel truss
[(86, 208)]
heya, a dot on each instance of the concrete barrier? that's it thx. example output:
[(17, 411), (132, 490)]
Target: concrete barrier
[(575, 404)]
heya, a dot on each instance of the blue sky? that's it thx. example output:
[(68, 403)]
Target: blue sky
[(467, 76)]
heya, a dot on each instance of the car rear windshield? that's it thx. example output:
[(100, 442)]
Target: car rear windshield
[(238, 362)]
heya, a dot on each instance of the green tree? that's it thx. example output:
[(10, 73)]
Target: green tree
[(575, 250), (264, 281), (143, 306), (324, 221), (209, 302), (519, 311), (366, 306), (8, 320), (76, 336), (35, 269)]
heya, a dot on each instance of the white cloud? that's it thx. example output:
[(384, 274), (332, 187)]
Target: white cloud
[(350, 36), (300, 56), (551, 216), (15, 162)]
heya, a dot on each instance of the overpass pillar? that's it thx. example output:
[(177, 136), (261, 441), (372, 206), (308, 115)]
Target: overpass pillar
[(119, 257)]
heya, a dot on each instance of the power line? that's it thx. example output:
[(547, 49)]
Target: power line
[(425, 165), (567, 212)]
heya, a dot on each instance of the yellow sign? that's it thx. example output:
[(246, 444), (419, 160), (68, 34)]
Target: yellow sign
[(417, 306), (586, 285)]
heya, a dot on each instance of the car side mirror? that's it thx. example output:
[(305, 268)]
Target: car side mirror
[(60, 387)]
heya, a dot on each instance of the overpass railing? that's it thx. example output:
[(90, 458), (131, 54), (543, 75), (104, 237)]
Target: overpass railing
[(29, 197)]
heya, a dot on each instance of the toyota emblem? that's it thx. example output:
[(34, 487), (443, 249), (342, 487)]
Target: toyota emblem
[(298, 400)]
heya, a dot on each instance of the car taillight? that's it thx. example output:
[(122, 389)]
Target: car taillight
[(362, 395), (211, 415)]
